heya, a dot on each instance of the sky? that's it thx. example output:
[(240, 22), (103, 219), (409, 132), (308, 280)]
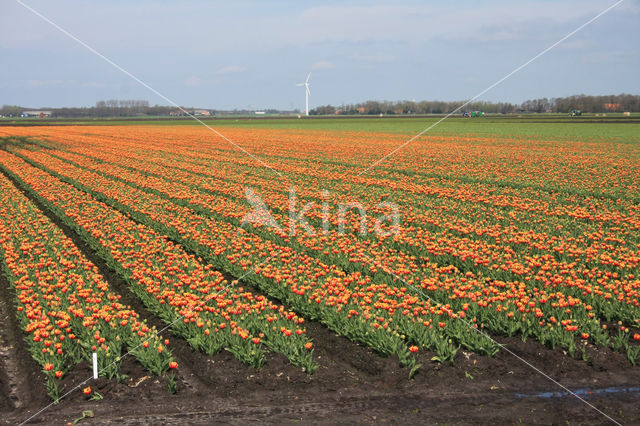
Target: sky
[(251, 54)]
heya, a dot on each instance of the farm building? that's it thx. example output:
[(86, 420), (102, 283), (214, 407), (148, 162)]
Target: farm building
[(195, 112), (40, 114)]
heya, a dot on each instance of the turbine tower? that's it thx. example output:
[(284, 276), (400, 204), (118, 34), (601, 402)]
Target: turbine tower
[(307, 93)]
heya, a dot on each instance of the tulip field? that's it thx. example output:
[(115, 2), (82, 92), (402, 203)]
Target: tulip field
[(454, 246)]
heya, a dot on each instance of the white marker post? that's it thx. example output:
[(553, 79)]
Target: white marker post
[(95, 366)]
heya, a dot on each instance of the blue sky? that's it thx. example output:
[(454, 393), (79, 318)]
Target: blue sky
[(251, 54)]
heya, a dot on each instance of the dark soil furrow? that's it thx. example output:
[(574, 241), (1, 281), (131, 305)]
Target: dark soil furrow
[(117, 284), (21, 382)]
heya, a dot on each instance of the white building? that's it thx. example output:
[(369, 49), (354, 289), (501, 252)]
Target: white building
[(36, 114)]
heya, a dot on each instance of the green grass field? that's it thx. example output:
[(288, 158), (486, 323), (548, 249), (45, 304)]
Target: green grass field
[(612, 127)]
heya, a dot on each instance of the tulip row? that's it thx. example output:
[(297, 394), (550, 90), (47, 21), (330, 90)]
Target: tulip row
[(480, 345), (520, 260), (600, 166), (193, 298), (292, 160), (601, 274), (63, 303), (603, 263), (340, 300), (552, 317)]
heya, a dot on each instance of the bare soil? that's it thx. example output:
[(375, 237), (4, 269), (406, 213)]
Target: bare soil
[(353, 384)]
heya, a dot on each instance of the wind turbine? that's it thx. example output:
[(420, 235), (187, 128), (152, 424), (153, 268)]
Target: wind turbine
[(307, 93)]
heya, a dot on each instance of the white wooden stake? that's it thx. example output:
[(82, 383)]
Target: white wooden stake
[(95, 366)]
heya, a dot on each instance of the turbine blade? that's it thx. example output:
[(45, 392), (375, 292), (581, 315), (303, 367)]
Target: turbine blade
[(309, 75)]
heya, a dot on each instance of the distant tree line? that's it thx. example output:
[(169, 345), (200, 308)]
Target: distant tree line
[(114, 108), (120, 107), (109, 108), (13, 110), (585, 103), (127, 108), (411, 107)]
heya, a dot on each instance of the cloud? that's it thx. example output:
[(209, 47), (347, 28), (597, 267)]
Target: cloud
[(192, 81), (48, 83), (231, 69), (93, 84), (578, 44), (65, 84), (400, 22), (377, 57), (419, 23), (609, 57), (322, 65), (447, 41)]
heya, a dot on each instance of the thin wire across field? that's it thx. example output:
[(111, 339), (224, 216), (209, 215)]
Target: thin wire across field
[(264, 164)]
